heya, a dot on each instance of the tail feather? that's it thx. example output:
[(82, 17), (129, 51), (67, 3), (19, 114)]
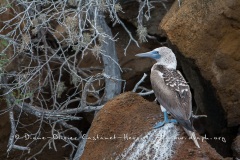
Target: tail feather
[(186, 124), (192, 135)]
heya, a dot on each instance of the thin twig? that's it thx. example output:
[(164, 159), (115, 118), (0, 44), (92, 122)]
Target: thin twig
[(139, 82)]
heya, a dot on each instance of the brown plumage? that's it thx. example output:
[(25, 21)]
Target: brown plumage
[(173, 93)]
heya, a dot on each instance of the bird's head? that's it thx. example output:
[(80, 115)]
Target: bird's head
[(163, 55)]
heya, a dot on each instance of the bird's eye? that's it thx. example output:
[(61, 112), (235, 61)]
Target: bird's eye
[(156, 55)]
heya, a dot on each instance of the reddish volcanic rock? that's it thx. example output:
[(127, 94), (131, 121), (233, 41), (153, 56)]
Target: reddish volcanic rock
[(129, 116), (208, 33)]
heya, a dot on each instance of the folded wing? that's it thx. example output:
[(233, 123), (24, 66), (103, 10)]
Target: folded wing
[(173, 93)]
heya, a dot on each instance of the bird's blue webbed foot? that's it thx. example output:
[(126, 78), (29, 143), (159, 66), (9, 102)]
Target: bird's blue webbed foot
[(166, 120)]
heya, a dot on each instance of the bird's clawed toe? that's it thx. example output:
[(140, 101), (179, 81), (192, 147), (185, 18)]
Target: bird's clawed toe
[(173, 121), (159, 124), (166, 120)]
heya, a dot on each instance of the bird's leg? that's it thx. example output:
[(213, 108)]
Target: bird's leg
[(166, 120)]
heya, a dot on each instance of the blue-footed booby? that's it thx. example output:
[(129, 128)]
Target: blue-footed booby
[(171, 90)]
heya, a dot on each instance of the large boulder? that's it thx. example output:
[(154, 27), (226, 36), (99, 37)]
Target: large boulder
[(208, 32), (122, 129), (236, 146)]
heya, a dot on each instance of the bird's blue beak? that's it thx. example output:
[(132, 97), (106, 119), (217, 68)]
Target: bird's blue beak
[(152, 54)]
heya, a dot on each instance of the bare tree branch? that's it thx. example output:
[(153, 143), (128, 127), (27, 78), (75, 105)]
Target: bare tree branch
[(144, 91), (44, 44)]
